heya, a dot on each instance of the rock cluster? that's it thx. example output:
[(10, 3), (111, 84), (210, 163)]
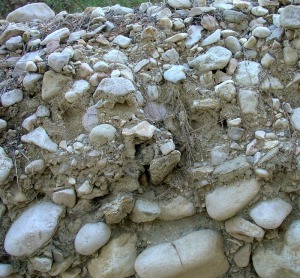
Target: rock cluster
[(160, 141)]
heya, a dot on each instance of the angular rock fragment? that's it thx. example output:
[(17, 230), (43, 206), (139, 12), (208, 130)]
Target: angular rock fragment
[(160, 167), (198, 254), (102, 134), (32, 229), (144, 211), (40, 138), (6, 165), (289, 17), (11, 97), (78, 89), (247, 73), (116, 259), (59, 35)]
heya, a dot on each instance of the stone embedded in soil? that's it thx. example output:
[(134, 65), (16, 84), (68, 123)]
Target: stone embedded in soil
[(32, 229), (78, 89), (30, 82), (40, 138), (177, 208), (59, 35), (242, 256), (248, 100), (118, 208), (12, 97), (226, 201), (175, 74), (143, 131), (115, 56), (242, 229), (198, 254), (30, 12), (226, 90), (232, 168), (35, 167), (122, 41), (91, 237), (3, 125), (65, 197), (14, 43), (270, 214), (6, 164), (102, 134), (116, 259), (54, 84), (144, 211), (278, 259), (58, 60), (295, 119), (160, 167), (42, 264), (247, 74), (289, 17), (217, 57)]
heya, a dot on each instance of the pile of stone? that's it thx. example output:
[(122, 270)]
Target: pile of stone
[(159, 142)]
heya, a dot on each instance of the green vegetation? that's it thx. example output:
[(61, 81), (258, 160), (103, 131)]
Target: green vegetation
[(70, 6)]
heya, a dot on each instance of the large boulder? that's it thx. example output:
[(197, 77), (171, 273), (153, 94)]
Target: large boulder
[(30, 12)]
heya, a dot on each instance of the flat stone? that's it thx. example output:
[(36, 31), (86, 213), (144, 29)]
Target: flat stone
[(248, 100), (290, 17), (91, 237), (217, 57), (234, 16), (247, 73), (176, 38), (290, 56), (40, 138), (77, 91), (232, 168), (35, 167), (13, 30), (144, 211), (295, 119), (194, 35), (177, 208), (114, 87), (175, 74), (58, 60), (198, 254), (12, 97), (102, 134), (226, 201), (59, 35), (54, 84), (270, 214), (6, 166), (30, 12), (115, 56), (171, 56), (242, 229), (65, 197), (120, 10), (32, 229), (116, 259), (180, 4), (160, 167), (212, 38)]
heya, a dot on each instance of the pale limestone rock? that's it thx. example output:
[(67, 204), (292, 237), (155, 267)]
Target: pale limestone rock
[(14, 43), (143, 131), (213, 38), (248, 100), (226, 201), (116, 258), (270, 214), (295, 119), (34, 227), (3, 125), (247, 73), (242, 229), (30, 82), (289, 17), (42, 264), (180, 4), (40, 138), (91, 237), (12, 97), (58, 60), (35, 167), (84, 70), (242, 256), (198, 254), (175, 74), (177, 208), (6, 166), (122, 41), (77, 90), (54, 84), (59, 35), (65, 197), (30, 12), (144, 211), (167, 147), (261, 32), (226, 90), (6, 270), (194, 35), (216, 57), (102, 134), (13, 30), (115, 56), (177, 38)]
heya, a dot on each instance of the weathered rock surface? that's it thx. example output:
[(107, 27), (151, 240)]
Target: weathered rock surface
[(116, 259), (34, 227), (6, 165), (196, 254)]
